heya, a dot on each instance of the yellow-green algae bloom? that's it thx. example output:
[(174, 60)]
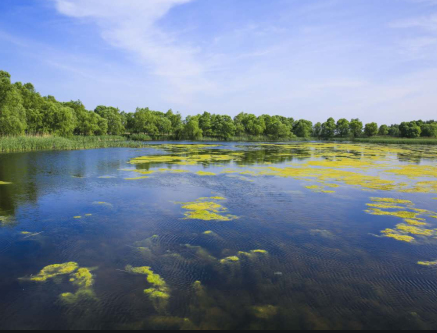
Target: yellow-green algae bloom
[(4, 183), (265, 312), (205, 173), (232, 259), (414, 225), (205, 210), (428, 263), (79, 277), (160, 292), (54, 271)]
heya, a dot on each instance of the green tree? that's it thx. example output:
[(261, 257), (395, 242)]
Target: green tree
[(191, 130), (12, 111), (303, 128), (113, 117), (328, 129), (343, 128), (356, 128), (371, 129), (383, 130)]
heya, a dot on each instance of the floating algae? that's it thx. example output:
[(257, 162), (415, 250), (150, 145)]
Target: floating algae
[(204, 173), (428, 263), (5, 183), (242, 254), (414, 222), (78, 217), (137, 178), (159, 294), (416, 171), (232, 259), (79, 277), (205, 210), (53, 271)]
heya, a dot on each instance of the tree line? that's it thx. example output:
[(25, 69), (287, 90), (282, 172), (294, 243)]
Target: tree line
[(23, 111)]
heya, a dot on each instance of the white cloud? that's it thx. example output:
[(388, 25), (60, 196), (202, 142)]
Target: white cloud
[(132, 25)]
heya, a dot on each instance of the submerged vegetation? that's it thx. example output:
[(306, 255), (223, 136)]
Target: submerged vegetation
[(81, 278)]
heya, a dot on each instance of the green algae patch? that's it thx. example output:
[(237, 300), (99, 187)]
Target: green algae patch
[(207, 210), (6, 221), (416, 171), (159, 294), (427, 263), (205, 173), (81, 278), (413, 218), (265, 312), (137, 178), (228, 260), (54, 271), (390, 233), (5, 183), (77, 217)]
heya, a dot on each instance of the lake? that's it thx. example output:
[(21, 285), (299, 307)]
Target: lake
[(220, 236)]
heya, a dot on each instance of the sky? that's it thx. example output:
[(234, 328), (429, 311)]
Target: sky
[(313, 59)]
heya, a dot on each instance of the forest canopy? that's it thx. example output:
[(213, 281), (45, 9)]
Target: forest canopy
[(23, 111)]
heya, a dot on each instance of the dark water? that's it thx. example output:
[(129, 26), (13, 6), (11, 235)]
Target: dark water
[(327, 267)]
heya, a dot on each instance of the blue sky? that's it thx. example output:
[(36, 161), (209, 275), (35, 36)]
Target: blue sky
[(312, 59)]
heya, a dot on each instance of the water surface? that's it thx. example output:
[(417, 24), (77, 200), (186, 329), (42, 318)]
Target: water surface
[(238, 236)]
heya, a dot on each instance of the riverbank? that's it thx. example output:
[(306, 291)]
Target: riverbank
[(36, 143)]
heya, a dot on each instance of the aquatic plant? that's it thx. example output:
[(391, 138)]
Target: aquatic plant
[(79, 277), (428, 263), (206, 210), (204, 173), (53, 271), (232, 259), (265, 312), (159, 294)]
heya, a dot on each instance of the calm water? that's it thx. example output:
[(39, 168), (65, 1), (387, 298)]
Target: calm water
[(325, 261)]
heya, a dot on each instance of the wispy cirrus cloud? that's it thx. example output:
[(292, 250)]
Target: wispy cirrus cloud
[(132, 25)]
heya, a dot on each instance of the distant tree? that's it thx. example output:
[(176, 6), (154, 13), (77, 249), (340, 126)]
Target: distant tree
[(328, 129), (303, 128), (342, 128), (429, 130), (410, 130), (383, 130), (191, 130), (371, 129), (356, 128), (113, 117), (317, 130)]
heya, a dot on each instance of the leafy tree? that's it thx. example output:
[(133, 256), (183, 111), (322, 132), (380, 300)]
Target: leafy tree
[(223, 127), (205, 123), (356, 128), (317, 130), (429, 130), (191, 130), (113, 117), (342, 128), (383, 130), (328, 129), (12, 111), (410, 130), (303, 128), (371, 129)]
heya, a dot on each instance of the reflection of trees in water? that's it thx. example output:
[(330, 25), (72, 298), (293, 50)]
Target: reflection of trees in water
[(19, 169)]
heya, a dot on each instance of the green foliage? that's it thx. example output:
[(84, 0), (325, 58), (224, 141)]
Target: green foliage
[(356, 128), (23, 111), (328, 129), (303, 128), (383, 130), (371, 129), (343, 128)]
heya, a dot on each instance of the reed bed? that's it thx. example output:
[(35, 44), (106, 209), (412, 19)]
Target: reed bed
[(35, 143)]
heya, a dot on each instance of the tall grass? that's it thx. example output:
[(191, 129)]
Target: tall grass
[(34, 143), (398, 141)]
